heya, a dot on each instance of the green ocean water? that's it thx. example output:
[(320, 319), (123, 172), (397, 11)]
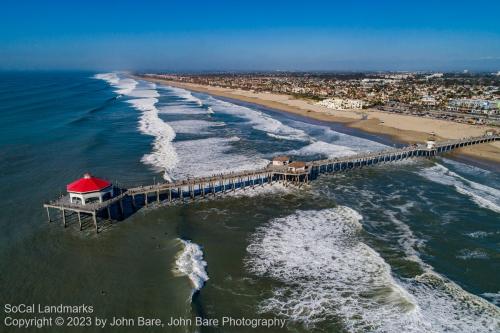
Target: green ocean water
[(409, 247)]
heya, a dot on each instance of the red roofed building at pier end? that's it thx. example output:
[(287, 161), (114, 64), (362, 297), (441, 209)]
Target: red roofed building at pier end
[(89, 189)]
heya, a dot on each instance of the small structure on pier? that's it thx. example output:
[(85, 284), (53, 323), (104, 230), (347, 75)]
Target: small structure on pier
[(281, 160), (297, 166), (490, 132), (89, 189), (93, 196), (431, 144)]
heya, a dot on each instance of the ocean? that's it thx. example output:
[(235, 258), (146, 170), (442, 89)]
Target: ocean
[(406, 247)]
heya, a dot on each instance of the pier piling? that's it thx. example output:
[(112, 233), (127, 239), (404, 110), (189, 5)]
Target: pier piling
[(95, 222), (240, 180)]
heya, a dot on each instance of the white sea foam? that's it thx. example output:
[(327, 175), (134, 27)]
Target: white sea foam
[(124, 85), (143, 93), (184, 94), (325, 141), (273, 190), (328, 273), (326, 134), (143, 98), (481, 234), (482, 195), (466, 254), (163, 157), (493, 297), (344, 144), (181, 109), (205, 157), (190, 263), (407, 240), (319, 137), (327, 270), (320, 147), (445, 307), (467, 168), (194, 126), (111, 78), (258, 120)]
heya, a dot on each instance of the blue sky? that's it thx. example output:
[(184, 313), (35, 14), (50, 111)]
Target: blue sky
[(250, 35)]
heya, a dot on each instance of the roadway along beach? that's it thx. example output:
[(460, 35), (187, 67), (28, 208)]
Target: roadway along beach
[(404, 128)]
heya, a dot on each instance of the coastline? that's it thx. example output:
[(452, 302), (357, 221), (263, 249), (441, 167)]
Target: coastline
[(401, 128)]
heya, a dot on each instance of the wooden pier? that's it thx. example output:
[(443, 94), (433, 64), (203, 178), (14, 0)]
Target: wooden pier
[(219, 185)]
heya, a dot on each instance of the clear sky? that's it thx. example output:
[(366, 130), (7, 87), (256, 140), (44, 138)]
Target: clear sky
[(250, 35)]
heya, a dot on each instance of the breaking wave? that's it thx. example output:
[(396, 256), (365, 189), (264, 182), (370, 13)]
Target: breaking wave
[(164, 157), (323, 133), (143, 97), (320, 147), (328, 272), (124, 86), (484, 196), (190, 263), (258, 120), (184, 94), (194, 126), (206, 157), (493, 297), (181, 110), (320, 139), (197, 162)]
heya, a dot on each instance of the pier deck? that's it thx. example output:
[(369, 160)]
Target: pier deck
[(202, 187)]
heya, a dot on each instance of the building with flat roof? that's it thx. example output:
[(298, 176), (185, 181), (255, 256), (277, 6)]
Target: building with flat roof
[(490, 107)]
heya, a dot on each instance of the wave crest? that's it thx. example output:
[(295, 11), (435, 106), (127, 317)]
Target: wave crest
[(484, 196), (191, 264), (329, 273), (144, 99)]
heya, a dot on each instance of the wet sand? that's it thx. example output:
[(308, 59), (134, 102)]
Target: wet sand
[(403, 128)]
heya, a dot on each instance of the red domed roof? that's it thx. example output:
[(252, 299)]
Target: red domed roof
[(87, 184)]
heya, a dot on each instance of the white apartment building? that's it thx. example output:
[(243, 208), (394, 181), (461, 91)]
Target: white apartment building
[(342, 104), (490, 107)]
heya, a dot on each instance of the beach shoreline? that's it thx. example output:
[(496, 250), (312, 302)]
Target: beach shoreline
[(400, 128)]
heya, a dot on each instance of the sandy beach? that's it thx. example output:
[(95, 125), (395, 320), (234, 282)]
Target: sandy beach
[(403, 128)]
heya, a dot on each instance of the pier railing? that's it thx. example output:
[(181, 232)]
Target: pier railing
[(219, 184)]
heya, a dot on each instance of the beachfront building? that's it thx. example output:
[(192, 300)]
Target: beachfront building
[(434, 76), (428, 100), (281, 160), (489, 107), (342, 103), (89, 189)]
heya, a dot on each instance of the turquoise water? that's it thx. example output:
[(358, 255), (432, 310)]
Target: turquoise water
[(409, 247)]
